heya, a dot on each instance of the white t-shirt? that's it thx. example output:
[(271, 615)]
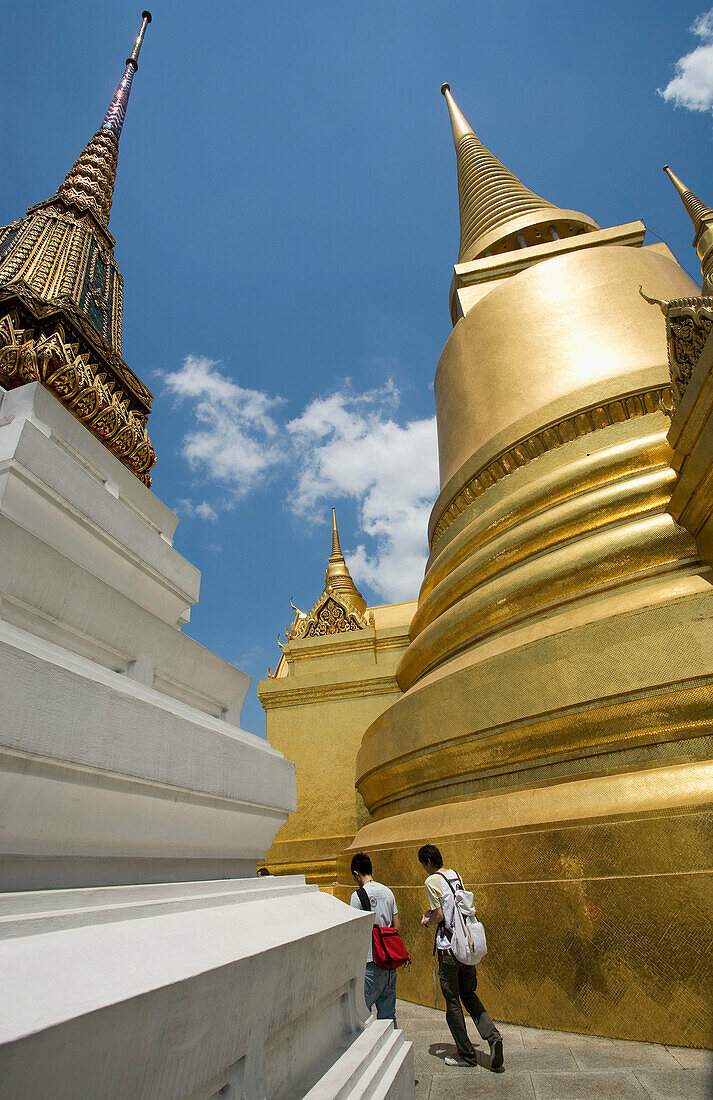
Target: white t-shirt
[(435, 891), (383, 906)]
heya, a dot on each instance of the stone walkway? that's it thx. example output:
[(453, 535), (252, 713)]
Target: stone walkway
[(553, 1065)]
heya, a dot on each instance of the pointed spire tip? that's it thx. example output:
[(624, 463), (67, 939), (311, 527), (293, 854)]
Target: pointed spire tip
[(445, 88)]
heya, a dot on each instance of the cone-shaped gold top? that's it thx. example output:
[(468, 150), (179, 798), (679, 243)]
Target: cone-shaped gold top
[(338, 578), (697, 210), (702, 218), (497, 212)]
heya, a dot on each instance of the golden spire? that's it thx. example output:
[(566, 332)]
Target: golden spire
[(89, 186), (338, 578), (497, 212), (57, 267), (702, 218)]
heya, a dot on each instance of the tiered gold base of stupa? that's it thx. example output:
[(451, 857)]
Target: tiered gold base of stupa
[(555, 738)]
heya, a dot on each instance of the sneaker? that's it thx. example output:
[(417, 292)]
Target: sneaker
[(461, 1060), (496, 1054)]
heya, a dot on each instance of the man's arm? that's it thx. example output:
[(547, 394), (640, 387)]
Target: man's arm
[(395, 922), (434, 915)]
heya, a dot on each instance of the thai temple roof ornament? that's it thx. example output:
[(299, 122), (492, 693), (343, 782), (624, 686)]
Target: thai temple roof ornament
[(689, 321), (338, 579), (61, 295), (90, 183), (497, 212), (702, 218), (340, 608)]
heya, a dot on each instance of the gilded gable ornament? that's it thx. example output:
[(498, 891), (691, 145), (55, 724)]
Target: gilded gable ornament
[(688, 320), (340, 609)]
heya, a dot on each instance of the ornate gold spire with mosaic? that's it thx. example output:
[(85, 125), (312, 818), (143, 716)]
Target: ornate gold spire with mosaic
[(340, 608), (497, 212), (61, 297)]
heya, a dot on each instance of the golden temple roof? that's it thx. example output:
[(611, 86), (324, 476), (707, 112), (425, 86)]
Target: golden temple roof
[(340, 609), (497, 212)]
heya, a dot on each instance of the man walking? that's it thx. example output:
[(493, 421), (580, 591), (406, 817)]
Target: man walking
[(458, 981), (379, 984)]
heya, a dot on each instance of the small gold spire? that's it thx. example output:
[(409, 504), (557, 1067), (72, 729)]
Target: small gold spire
[(497, 212), (702, 218), (338, 578)]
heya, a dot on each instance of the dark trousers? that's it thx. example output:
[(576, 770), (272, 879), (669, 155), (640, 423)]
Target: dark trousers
[(458, 983)]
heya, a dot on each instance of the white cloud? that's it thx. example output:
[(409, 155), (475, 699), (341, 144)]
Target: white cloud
[(343, 446), (204, 510), (352, 447), (692, 85), (236, 437)]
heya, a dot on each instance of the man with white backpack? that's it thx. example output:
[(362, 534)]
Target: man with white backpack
[(460, 942)]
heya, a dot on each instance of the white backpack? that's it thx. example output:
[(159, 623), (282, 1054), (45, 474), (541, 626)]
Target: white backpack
[(467, 935)]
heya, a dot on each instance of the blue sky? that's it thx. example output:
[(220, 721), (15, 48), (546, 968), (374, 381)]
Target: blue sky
[(286, 219)]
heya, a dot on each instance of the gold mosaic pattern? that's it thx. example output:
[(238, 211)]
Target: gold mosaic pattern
[(90, 182), (600, 927), (68, 373)]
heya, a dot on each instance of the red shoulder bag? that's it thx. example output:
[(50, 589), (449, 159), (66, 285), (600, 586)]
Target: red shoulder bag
[(387, 948)]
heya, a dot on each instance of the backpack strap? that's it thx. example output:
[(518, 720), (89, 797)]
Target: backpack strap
[(442, 927), (448, 881), (460, 882), (364, 899)]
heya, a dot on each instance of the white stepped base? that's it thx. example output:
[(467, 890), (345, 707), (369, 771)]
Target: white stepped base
[(177, 991), (377, 1065)]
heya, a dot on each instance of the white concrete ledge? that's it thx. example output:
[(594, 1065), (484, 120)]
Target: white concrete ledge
[(166, 992)]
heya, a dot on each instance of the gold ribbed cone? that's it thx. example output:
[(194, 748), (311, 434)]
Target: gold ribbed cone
[(696, 209), (702, 218), (497, 212), (90, 183), (338, 578)]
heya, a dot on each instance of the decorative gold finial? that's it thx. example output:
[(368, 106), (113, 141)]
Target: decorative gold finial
[(338, 578), (336, 548), (340, 609), (497, 212), (702, 218), (459, 123)]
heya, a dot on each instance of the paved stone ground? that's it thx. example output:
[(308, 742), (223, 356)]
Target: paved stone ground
[(552, 1065)]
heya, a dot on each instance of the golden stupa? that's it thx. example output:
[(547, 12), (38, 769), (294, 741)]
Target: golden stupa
[(553, 735)]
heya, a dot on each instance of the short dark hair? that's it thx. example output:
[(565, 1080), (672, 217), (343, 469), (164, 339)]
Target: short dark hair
[(361, 864), (429, 853), (262, 871)]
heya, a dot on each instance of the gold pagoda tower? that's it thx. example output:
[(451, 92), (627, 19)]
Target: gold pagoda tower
[(554, 735), (61, 297), (336, 674)]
